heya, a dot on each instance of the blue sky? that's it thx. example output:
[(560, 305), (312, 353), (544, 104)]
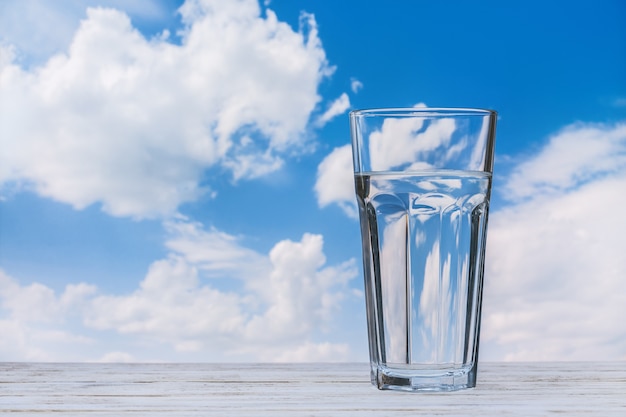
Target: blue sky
[(175, 178)]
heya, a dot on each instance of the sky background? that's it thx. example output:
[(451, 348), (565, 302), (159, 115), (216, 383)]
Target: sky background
[(176, 184)]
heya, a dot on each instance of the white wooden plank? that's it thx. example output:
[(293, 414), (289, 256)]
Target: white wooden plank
[(504, 389)]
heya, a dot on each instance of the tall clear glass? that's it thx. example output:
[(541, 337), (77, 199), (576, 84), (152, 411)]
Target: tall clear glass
[(423, 182)]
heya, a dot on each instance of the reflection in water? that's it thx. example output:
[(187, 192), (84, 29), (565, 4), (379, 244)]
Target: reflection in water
[(426, 238), (394, 280)]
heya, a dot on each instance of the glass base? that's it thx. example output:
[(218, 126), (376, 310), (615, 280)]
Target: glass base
[(386, 378)]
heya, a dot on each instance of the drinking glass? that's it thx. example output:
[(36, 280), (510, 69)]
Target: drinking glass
[(423, 182)]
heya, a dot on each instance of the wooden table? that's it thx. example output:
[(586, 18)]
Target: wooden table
[(504, 389)]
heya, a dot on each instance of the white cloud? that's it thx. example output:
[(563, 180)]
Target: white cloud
[(393, 144), (41, 28), (301, 291), (117, 357), (35, 319), (335, 181), (216, 253), (316, 352), (170, 306), (355, 85), (22, 25), (336, 108), (555, 261), (578, 154), (419, 143), (133, 123), (400, 141), (286, 297), (38, 303), (210, 297)]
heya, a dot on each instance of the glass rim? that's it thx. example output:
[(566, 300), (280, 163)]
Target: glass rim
[(422, 111)]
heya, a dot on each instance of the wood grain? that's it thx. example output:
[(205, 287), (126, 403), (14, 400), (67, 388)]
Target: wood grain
[(504, 389)]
